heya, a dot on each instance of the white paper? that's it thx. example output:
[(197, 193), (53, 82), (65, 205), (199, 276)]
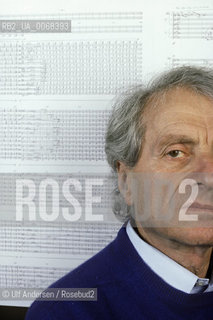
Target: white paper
[(56, 93)]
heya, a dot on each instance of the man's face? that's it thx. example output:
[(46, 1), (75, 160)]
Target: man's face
[(178, 145)]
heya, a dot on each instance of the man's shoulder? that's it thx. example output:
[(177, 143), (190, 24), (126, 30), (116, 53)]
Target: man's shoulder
[(96, 270), (100, 272)]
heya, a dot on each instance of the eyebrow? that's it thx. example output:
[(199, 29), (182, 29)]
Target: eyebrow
[(174, 139)]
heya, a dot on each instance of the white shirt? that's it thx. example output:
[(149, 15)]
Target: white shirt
[(170, 271)]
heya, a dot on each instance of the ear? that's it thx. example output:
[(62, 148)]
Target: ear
[(124, 182)]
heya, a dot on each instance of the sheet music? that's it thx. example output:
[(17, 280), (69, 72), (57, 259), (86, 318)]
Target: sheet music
[(56, 94)]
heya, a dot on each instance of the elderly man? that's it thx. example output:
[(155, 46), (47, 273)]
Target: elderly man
[(159, 142)]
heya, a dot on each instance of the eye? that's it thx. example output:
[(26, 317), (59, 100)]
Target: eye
[(175, 153)]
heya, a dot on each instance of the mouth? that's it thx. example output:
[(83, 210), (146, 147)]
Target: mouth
[(199, 206), (204, 213)]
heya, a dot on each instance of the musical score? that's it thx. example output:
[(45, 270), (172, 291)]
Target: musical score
[(56, 95)]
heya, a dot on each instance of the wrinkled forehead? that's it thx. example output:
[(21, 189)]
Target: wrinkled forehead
[(178, 108)]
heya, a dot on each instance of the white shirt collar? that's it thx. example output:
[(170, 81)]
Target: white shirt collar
[(169, 270)]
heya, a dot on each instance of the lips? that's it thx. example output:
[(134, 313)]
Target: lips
[(197, 205)]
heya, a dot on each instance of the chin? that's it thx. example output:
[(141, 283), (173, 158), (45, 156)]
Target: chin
[(200, 236)]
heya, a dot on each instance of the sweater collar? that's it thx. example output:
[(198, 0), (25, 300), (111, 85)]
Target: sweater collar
[(129, 265), (166, 268)]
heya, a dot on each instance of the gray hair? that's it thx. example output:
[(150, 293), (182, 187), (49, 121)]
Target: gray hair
[(126, 128)]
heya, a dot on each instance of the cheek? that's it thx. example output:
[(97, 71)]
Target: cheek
[(157, 200), (153, 198)]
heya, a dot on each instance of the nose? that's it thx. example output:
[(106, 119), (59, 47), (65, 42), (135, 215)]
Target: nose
[(204, 170)]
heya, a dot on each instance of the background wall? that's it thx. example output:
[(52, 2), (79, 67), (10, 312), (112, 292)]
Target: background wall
[(56, 93)]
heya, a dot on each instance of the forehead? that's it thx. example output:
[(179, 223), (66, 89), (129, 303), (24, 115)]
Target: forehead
[(178, 109)]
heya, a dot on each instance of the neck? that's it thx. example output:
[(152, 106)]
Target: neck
[(194, 258)]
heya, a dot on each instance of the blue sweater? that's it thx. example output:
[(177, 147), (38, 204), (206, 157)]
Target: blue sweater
[(127, 289)]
